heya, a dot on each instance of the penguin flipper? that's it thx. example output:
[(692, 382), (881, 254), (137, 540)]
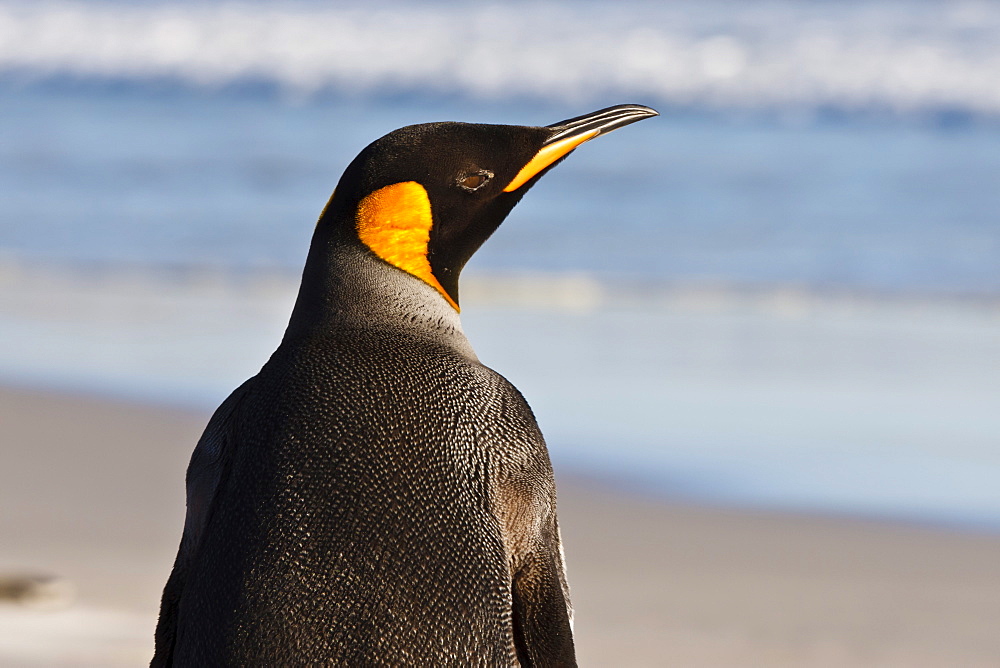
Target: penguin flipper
[(204, 473), (543, 634)]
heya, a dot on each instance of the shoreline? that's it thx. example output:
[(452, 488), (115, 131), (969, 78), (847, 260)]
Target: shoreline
[(93, 492)]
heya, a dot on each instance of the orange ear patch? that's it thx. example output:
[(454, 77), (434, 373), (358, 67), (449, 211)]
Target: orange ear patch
[(395, 222)]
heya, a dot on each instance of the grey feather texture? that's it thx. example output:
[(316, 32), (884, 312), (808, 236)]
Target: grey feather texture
[(374, 496)]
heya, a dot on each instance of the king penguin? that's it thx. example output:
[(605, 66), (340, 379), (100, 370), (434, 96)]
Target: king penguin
[(375, 496)]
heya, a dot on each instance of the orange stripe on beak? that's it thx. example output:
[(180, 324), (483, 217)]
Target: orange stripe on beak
[(548, 155)]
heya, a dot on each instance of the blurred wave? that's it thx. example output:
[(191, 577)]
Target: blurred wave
[(874, 405), (904, 57)]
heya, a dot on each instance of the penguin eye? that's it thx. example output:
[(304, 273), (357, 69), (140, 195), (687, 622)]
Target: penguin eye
[(475, 181)]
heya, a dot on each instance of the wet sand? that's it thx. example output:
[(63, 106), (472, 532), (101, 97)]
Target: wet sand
[(91, 490)]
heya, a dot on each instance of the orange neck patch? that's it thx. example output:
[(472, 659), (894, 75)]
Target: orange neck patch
[(395, 222)]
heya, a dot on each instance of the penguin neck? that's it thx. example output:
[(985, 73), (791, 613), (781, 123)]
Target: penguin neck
[(346, 287)]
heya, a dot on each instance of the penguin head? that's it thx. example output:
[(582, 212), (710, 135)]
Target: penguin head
[(425, 197)]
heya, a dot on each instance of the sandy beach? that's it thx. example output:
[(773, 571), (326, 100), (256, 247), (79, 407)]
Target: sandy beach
[(91, 491)]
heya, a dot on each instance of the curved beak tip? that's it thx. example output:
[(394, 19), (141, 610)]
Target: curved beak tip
[(601, 121)]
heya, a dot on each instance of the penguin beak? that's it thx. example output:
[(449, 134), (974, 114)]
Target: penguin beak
[(567, 135)]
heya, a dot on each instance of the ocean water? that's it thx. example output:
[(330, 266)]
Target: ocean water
[(783, 292)]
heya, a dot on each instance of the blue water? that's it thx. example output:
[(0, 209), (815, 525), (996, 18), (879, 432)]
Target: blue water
[(784, 291), (235, 180)]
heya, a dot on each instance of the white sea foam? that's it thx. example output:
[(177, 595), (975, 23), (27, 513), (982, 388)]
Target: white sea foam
[(885, 54)]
